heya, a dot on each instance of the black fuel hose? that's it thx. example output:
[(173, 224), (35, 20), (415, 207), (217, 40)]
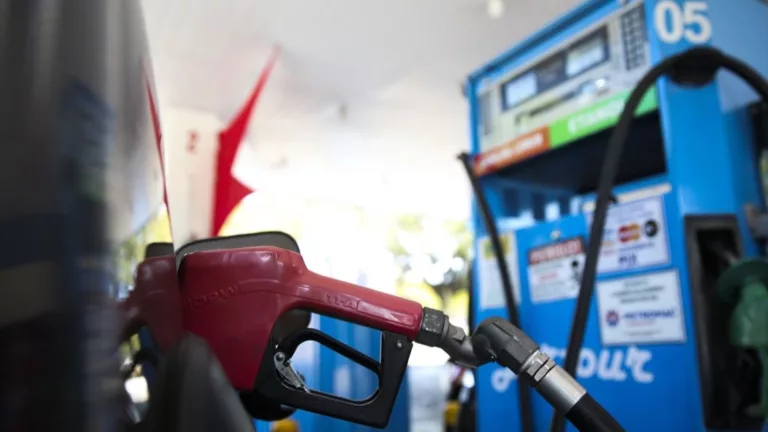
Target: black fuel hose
[(496, 339), (472, 302), (696, 67), (467, 421), (588, 415), (524, 396)]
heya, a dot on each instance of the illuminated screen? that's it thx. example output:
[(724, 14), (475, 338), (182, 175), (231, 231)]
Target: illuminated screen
[(551, 72), (586, 55), (519, 89)]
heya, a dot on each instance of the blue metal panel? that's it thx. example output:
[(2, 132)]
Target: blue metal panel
[(744, 41), (639, 373), (146, 341)]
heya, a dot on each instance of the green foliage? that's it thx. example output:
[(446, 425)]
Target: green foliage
[(131, 251), (434, 252)]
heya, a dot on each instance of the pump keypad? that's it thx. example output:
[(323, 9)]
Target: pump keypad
[(634, 38)]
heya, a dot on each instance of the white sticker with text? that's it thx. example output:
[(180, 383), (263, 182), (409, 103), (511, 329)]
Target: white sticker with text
[(554, 270), (634, 237), (491, 290), (641, 309)]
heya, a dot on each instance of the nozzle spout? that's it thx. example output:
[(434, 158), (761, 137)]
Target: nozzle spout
[(437, 331)]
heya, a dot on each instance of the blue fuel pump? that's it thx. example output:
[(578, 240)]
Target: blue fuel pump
[(541, 117)]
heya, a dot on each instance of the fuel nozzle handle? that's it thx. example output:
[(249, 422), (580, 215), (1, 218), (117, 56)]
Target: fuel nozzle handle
[(496, 339)]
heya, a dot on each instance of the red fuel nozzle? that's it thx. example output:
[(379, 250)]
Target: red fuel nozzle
[(154, 302), (233, 298)]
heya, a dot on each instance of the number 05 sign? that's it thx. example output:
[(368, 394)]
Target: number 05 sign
[(688, 21)]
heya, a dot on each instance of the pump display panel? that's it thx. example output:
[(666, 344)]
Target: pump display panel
[(586, 54), (538, 99)]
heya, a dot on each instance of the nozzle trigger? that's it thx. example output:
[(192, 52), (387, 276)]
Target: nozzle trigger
[(288, 373)]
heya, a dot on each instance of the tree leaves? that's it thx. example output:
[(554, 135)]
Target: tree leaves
[(432, 251)]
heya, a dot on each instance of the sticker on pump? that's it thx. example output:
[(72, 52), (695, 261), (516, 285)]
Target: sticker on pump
[(554, 270), (634, 237), (491, 290), (644, 309)]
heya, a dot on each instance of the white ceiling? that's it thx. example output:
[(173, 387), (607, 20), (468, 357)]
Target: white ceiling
[(365, 102)]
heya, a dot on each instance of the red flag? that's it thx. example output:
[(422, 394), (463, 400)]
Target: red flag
[(228, 191), (158, 139)]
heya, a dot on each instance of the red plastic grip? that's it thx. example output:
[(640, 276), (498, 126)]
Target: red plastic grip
[(232, 299), (155, 302)]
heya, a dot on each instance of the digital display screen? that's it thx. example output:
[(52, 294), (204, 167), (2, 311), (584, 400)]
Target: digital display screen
[(551, 72), (519, 89), (583, 55), (586, 55)]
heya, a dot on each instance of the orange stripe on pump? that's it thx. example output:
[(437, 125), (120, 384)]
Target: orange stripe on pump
[(520, 148)]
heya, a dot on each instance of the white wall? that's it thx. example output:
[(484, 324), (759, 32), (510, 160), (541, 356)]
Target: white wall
[(190, 173), (360, 160), (332, 161)]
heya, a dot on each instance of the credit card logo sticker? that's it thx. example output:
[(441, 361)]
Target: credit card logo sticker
[(635, 237), (651, 228), (629, 233)]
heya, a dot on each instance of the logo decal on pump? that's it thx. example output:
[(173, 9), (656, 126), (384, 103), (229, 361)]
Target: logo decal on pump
[(629, 233), (617, 365), (199, 301), (343, 301)]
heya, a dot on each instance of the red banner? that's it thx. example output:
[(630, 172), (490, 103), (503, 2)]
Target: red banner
[(228, 191), (153, 112)]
